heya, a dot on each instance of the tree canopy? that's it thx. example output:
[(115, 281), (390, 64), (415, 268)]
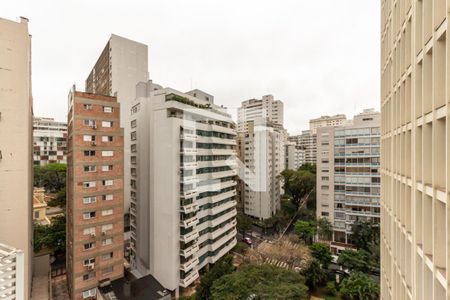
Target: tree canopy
[(221, 268), (260, 282), (365, 233), (51, 236), (52, 177), (359, 286), (324, 229), (306, 230), (298, 183), (355, 260), (322, 253)]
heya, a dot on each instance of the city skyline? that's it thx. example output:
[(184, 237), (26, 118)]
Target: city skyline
[(207, 56)]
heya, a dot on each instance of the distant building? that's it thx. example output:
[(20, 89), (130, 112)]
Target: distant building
[(294, 156), (267, 108), (12, 273), (95, 240), (40, 207), (16, 144), (122, 64), (325, 121), (348, 175), (183, 184), (49, 141), (263, 155), (308, 142)]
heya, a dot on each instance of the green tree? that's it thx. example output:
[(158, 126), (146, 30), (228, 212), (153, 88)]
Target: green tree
[(221, 268), (260, 282), (306, 230), (308, 167), (364, 233), (244, 223), (359, 286), (322, 253), (59, 200), (51, 236), (52, 177), (315, 275), (324, 229), (355, 260), (298, 183)]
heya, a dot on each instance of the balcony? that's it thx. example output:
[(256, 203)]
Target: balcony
[(216, 140), (188, 165), (188, 194), (189, 179), (189, 279), (216, 186), (189, 222), (224, 251), (188, 136), (189, 208), (188, 151), (222, 230), (223, 196), (216, 152), (190, 250), (223, 218), (363, 213), (217, 175), (186, 238), (189, 265), (218, 163), (220, 208)]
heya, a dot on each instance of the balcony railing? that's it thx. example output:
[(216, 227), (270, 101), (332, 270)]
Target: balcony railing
[(189, 251), (189, 279), (188, 136), (189, 208), (189, 265), (186, 238), (189, 222)]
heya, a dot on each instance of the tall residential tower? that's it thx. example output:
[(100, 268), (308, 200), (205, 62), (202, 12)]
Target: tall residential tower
[(16, 142)]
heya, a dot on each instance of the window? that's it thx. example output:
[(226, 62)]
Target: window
[(36, 215), (89, 215), (89, 231), (107, 242), (107, 124), (90, 168), (107, 197), (107, 256), (88, 138), (89, 200), (88, 276), (133, 148), (89, 184), (107, 227), (89, 153), (107, 153), (108, 182), (108, 109), (325, 187), (107, 168), (133, 124), (107, 138), (107, 212), (89, 122), (107, 270), (89, 246), (133, 135), (87, 106), (325, 214), (325, 178), (89, 261), (89, 293)]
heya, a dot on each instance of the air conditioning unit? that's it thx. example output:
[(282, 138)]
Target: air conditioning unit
[(90, 267), (93, 235), (94, 144), (94, 126), (103, 232)]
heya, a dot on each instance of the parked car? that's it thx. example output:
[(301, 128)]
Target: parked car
[(247, 240)]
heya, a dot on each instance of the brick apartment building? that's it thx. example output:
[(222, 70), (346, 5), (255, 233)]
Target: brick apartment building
[(94, 193)]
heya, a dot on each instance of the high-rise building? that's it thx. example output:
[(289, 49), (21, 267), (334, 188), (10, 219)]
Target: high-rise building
[(266, 108), (12, 273), (348, 176), (183, 186), (324, 121), (16, 142), (308, 142), (263, 155), (294, 156), (49, 141), (94, 193), (415, 146), (122, 64)]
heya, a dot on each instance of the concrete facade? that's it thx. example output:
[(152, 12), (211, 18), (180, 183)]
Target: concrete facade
[(325, 121), (122, 64), (415, 68), (94, 193), (267, 108), (294, 156), (348, 177), (16, 142), (183, 186), (12, 273), (49, 141), (308, 142)]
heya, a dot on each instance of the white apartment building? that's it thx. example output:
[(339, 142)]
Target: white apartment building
[(49, 141), (122, 64), (16, 142), (324, 121), (415, 144), (12, 273), (183, 184), (266, 108), (263, 155), (308, 142), (348, 177), (294, 156)]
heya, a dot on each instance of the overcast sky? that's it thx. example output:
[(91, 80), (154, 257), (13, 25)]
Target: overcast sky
[(318, 57)]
